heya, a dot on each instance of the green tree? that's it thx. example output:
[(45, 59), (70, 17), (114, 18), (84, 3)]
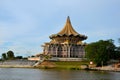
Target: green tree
[(119, 41), (118, 50), (18, 57), (10, 55), (4, 57), (100, 52)]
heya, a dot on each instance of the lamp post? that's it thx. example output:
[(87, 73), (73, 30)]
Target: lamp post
[(91, 64)]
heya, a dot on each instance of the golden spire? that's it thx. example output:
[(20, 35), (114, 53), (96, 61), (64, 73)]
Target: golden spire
[(68, 29)]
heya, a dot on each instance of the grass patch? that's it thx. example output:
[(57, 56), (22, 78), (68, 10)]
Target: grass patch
[(70, 65), (67, 65)]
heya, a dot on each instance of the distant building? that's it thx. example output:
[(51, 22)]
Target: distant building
[(66, 44), (34, 58)]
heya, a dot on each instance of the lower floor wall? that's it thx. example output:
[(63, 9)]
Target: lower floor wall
[(67, 59), (65, 51)]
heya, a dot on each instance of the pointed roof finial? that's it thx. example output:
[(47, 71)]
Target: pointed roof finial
[(68, 19), (68, 29)]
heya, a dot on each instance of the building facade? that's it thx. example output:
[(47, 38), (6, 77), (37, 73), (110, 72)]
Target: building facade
[(66, 44)]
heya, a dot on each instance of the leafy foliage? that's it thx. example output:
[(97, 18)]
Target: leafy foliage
[(18, 57), (10, 55), (118, 50), (100, 52), (4, 57)]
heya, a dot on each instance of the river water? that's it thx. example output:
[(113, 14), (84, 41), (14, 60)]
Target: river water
[(41, 74)]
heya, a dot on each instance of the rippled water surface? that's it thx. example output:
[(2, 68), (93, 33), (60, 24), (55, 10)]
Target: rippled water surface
[(40, 74)]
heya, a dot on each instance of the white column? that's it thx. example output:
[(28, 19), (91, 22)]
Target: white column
[(69, 51), (56, 51)]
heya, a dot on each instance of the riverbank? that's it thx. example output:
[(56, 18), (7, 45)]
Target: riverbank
[(69, 65), (74, 65), (65, 65)]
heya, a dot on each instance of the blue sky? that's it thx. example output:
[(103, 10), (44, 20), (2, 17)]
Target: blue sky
[(26, 24)]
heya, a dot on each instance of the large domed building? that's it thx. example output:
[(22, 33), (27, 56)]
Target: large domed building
[(66, 44)]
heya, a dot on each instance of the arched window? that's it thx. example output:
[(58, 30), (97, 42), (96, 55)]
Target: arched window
[(54, 51), (59, 51)]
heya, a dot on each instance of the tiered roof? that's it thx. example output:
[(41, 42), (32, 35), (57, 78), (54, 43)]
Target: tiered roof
[(68, 31)]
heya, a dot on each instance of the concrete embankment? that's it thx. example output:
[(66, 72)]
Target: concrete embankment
[(17, 63), (106, 68)]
